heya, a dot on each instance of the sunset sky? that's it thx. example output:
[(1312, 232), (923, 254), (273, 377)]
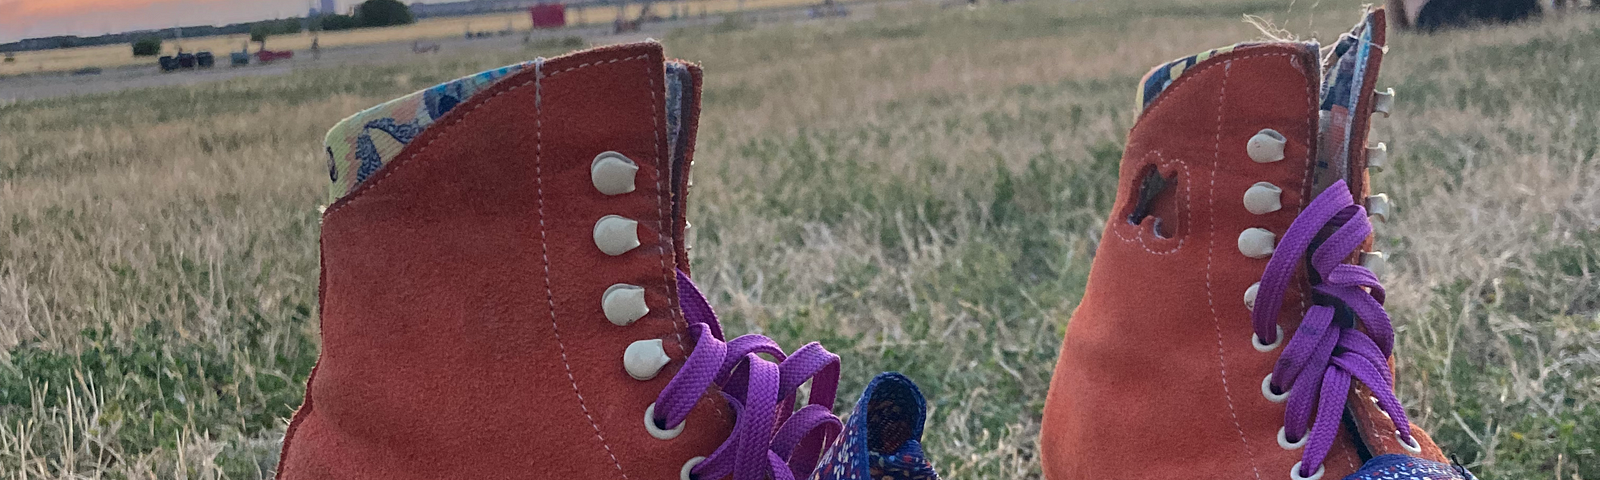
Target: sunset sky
[(39, 18)]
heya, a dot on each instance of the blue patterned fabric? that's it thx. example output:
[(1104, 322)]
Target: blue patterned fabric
[(677, 80), (1401, 467), (1342, 86), (360, 145), (1158, 79), (882, 437)]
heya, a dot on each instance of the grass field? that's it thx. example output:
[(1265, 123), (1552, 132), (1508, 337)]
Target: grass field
[(922, 191), (110, 56)]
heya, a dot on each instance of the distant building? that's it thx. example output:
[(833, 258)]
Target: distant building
[(476, 7), (329, 7)]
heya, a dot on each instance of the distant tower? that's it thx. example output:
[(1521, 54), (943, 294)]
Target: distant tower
[(329, 7)]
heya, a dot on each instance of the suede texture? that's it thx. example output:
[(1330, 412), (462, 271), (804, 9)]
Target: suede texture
[(463, 335), (1158, 357)]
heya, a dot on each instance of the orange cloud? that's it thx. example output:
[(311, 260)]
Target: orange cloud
[(37, 18), (38, 9)]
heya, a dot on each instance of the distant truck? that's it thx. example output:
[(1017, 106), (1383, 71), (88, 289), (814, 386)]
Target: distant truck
[(548, 15)]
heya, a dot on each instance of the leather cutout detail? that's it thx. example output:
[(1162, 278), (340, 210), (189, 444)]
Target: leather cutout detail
[(1153, 190)]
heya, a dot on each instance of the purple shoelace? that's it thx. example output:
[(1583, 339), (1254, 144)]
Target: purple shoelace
[(770, 438), (1329, 348)]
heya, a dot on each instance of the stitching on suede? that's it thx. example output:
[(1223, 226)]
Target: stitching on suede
[(1185, 80), (587, 64), (1372, 428), (664, 243), (383, 173), (1350, 461), (1372, 422), (1307, 184), (1211, 247), (400, 162), (1188, 212), (1183, 83), (544, 249)]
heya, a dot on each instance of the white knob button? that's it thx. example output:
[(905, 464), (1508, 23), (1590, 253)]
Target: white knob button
[(624, 304), (1378, 207), (1250, 295), (644, 359), (1377, 157), (1266, 146), (1383, 101), (1263, 198), (613, 173), (1257, 242), (1377, 262), (616, 235)]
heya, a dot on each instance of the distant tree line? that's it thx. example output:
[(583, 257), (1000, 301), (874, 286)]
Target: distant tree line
[(372, 13)]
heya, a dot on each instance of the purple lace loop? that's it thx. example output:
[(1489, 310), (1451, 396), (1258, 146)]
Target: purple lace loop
[(770, 437), (1345, 335)]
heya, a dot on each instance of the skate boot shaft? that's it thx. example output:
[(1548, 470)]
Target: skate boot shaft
[(499, 280), (1196, 294)]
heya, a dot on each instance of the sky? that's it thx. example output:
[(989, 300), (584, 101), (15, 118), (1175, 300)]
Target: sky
[(21, 19)]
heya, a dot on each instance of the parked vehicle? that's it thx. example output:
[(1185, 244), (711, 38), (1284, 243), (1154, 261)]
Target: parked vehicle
[(269, 56)]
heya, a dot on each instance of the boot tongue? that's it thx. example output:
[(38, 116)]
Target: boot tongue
[(358, 146), (682, 112), (883, 436), (1343, 83)]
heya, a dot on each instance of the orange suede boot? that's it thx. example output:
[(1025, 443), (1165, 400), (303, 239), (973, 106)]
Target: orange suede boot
[(505, 294), (1233, 325)]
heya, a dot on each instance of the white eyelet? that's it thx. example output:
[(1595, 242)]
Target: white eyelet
[(613, 173), (1283, 439), (1377, 157), (1257, 242), (1263, 198), (1266, 146), (1250, 295), (1294, 473), (624, 304), (1411, 445), (643, 359), (684, 473), (1266, 391), (616, 235), (669, 434), (1378, 207), (1377, 262), (1383, 101), (1255, 341)]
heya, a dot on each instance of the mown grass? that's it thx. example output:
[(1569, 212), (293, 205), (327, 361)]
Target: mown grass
[(922, 191)]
